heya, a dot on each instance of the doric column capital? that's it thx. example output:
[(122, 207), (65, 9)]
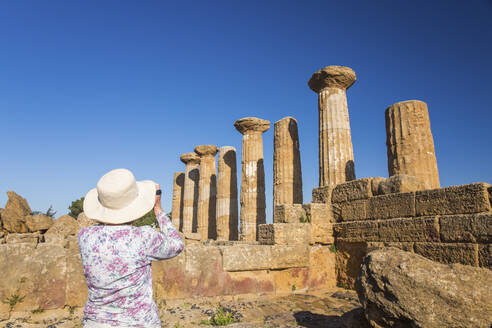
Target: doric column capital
[(190, 158), (247, 124), (204, 150), (340, 77)]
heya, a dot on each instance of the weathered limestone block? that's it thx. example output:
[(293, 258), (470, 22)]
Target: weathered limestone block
[(29, 238), (410, 144), (83, 221), (288, 279), (13, 216), (336, 156), (348, 260), (76, 289), (399, 183), (207, 192), (485, 256), (449, 253), (170, 277), (62, 227), (401, 289), (321, 268), (474, 228), (252, 197), (321, 219), (356, 231), (227, 209), (352, 190), (38, 222), (392, 206), (404, 246), (375, 183), (177, 202), (409, 229), (288, 213), (247, 257), (35, 272), (287, 175), (464, 199), (322, 194), (284, 233), (354, 210), (190, 194), (257, 282), (289, 256)]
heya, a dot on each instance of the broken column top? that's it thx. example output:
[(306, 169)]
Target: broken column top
[(341, 77), (203, 150), (287, 118), (190, 158), (246, 124), (413, 101)]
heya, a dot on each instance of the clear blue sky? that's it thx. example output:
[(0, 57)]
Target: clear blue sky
[(89, 86)]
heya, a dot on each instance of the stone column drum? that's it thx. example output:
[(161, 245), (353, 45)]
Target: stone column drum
[(336, 155), (227, 214), (207, 192), (252, 197), (287, 176), (410, 144), (190, 195), (177, 203)]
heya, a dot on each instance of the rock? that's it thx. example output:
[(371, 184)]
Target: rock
[(403, 289), (13, 216), (83, 221), (62, 227), (399, 183), (29, 238), (38, 222)]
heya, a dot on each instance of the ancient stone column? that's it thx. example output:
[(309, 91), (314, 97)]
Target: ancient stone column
[(177, 203), (227, 214), (287, 176), (190, 195), (207, 192), (409, 142), (336, 155), (252, 197)]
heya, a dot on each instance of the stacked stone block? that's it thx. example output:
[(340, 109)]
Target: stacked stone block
[(227, 211), (177, 202), (449, 225), (190, 194)]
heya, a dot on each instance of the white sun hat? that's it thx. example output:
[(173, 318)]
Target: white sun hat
[(118, 198)]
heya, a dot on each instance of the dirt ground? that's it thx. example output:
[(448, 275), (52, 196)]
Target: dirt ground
[(338, 308)]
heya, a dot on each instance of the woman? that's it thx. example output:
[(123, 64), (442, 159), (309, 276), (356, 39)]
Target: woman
[(117, 256)]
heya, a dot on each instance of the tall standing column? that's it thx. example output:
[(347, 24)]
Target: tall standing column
[(227, 218), (177, 203), (190, 195), (410, 143), (287, 176), (336, 155), (252, 197), (207, 192)]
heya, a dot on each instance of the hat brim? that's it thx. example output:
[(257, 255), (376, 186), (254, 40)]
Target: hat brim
[(139, 207)]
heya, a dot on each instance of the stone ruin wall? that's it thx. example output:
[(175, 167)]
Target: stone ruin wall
[(307, 247)]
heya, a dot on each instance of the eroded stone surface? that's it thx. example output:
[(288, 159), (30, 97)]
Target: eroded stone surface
[(398, 288), (38, 222), (410, 143), (227, 209), (13, 216), (207, 192), (190, 194), (341, 77), (287, 175)]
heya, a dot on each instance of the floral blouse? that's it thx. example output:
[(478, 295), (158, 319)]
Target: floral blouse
[(117, 267)]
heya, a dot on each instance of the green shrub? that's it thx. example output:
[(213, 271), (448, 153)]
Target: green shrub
[(38, 310), (220, 318), (147, 219), (333, 248), (13, 300), (76, 208), (49, 212)]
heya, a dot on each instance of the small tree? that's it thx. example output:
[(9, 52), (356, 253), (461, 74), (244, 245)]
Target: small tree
[(49, 212), (76, 208), (147, 219)]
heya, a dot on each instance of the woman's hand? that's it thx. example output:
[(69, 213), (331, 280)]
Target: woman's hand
[(157, 205)]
